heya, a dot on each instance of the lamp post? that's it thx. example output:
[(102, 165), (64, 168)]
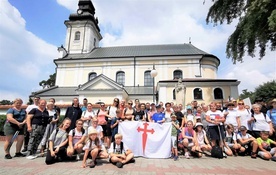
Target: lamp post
[(153, 74)]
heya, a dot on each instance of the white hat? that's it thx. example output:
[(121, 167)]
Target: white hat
[(198, 124), (93, 131)]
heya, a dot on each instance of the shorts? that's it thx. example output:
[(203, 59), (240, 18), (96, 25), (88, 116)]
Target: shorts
[(89, 154), (9, 130), (174, 142), (106, 130), (230, 144), (214, 132), (262, 153)]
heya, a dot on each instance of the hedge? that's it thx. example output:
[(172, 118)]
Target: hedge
[(3, 119)]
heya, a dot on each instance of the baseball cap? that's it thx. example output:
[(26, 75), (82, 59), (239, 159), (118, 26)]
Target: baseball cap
[(242, 128)]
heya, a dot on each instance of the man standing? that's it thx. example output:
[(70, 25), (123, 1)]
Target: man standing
[(26, 133), (84, 106), (73, 112)]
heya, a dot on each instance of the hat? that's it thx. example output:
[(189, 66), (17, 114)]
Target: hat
[(93, 131), (173, 115), (272, 101), (198, 124), (189, 107), (158, 106), (243, 128)]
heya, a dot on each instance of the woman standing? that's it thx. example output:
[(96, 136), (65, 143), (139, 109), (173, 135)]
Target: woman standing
[(87, 116), (260, 121), (128, 113), (168, 112), (37, 120), (102, 121), (232, 117), (245, 115), (16, 119), (215, 121), (57, 143)]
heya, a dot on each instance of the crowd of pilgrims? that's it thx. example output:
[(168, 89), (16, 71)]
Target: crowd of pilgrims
[(85, 133)]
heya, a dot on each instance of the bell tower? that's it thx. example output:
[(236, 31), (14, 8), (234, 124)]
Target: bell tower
[(83, 33)]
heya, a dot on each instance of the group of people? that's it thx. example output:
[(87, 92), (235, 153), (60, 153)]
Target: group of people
[(196, 128)]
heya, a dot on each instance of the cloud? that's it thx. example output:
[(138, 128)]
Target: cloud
[(25, 58)]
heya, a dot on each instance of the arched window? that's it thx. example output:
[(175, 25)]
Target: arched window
[(148, 80), (92, 75), (77, 36), (198, 94), (218, 94), (120, 77), (174, 97), (177, 74)]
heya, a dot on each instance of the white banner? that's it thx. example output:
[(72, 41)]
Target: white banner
[(145, 139)]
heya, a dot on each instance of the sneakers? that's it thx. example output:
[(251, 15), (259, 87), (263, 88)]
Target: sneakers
[(119, 165), (273, 158), (253, 155), (78, 157), (92, 164), (175, 158), (172, 156), (19, 154), (132, 160), (8, 156), (31, 157), (24, 150), (187, 156)]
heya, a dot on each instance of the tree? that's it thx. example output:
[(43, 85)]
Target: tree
[(267, 91), (50, 82), (256, 26), (245, 93), (6, 102)]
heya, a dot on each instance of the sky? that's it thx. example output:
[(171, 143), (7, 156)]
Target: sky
[(31, 31)]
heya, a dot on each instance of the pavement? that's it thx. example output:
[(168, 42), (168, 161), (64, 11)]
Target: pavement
[(143, 166)]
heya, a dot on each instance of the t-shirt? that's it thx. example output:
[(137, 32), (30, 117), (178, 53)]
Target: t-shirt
[(59, 137), (117, 149), (30, 107), (20, 116), (200, 137), (261, 123), (90, 145), (245, 115), (78, 135), (241, 137), (272, 115), (265, 143), (174, 129), (158, 117), (231, 118), (229, 137), (214, 115), (138, 115), (190, 117), (87, 114), (112, 111)]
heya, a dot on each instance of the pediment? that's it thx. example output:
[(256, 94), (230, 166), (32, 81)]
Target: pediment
[(101, 82)]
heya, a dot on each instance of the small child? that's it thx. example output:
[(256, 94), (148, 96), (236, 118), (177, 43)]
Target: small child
[(175, 128), (265, 150), (232, 146), (91, 148), (119, 153), (247, 141), (115, 123), (202, 142)]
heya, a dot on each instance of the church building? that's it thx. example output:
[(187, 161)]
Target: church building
[(178, 73)]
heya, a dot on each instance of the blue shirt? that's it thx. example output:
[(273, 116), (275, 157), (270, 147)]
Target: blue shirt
[(158, 117), (272, 115)]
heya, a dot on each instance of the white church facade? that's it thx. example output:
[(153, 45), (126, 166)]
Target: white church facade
[(86, 70)]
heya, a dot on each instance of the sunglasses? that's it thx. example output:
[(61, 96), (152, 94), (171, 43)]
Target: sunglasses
[(231, 105), (102, 105), (130, 103), (241, 103)]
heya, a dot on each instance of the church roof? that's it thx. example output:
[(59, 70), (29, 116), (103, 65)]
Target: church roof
[(56, 91), (141, 51)]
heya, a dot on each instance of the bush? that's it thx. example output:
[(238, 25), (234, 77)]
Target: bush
[(2, 122)]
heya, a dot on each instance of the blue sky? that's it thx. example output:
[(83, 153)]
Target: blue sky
[(31, 31)]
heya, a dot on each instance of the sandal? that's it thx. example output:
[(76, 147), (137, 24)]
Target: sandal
[(253, 155)]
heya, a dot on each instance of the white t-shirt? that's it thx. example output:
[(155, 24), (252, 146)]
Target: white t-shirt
[(168, 116), (261, 123), (87, 114), (200, 137), (190, 117), (117, 148), (231, 118), (89, 146), (245, 115), (214, 115), (112, 111), (241, 137), (78, 135), (30, 107)]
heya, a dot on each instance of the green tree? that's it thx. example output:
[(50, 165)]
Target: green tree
[(256, 26), (245, 93), (50, 82), (6, 102), (267, 91)]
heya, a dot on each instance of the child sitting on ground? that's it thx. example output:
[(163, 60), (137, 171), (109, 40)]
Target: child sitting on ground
[(247, 141), (119, 153), (265, 150), (91, 148), (233, 147), (202, 141)]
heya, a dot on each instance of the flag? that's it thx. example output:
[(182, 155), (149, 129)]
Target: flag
[(150, 140)]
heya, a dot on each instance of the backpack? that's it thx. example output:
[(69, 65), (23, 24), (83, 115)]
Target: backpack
[(74, 132), (217, 152), (121, 147)]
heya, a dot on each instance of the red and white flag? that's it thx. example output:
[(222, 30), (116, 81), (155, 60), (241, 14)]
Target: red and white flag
[(151, 140)]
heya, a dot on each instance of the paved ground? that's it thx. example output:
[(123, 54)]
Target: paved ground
[(205, 165)]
